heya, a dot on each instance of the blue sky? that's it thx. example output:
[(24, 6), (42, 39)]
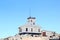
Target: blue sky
[(14, 13)]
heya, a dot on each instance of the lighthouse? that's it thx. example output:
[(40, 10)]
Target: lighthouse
[(30, 28)]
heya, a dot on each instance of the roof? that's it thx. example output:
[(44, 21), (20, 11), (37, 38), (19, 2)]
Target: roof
[(31, 18)]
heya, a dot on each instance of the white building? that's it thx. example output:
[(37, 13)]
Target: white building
[(31, 31), (30, 28)]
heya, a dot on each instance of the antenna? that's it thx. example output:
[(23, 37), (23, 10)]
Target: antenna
[(29, 12)]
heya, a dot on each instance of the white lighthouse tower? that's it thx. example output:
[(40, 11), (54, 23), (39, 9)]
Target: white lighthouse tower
[(30, 28)]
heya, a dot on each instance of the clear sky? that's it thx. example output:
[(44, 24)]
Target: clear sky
[(14, 13)]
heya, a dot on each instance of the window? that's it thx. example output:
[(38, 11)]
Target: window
[(20, 30), (31, 20), (38, 30), (53, 33), (31, 29), (26, 29), (33, 23)]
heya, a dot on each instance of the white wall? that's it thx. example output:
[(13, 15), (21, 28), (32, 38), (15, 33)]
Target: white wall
[(34, 27)]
